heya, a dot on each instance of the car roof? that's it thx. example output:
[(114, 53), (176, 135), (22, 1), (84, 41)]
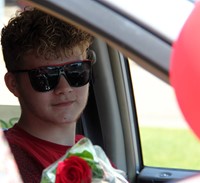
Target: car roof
[(164, 17)]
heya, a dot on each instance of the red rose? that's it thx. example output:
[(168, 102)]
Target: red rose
[(73, 170)]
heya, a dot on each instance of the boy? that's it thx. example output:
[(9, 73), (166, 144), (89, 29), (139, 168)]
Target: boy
[(49, 71)]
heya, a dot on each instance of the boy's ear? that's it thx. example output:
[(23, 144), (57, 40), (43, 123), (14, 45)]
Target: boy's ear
[(11, 83)]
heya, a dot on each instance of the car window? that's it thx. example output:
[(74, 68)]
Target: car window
[(166, 139)]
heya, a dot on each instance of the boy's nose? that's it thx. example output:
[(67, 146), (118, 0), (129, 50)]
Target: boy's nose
[(63, 86)]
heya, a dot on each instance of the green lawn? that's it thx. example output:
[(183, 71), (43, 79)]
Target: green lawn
[(174, 148)]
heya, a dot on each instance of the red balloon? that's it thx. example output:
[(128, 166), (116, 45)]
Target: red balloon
[(185, 69)]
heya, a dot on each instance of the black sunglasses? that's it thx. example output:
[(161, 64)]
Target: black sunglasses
[(47, 78)]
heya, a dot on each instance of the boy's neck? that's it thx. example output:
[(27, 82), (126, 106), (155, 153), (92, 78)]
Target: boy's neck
[(63, 134)]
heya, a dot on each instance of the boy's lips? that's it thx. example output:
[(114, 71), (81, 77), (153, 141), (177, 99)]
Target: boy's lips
[(65, 103)]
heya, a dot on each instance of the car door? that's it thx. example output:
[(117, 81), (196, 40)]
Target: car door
[(112, 117)]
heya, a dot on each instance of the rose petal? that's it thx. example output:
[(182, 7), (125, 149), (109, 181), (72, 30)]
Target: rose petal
[(73, 170)]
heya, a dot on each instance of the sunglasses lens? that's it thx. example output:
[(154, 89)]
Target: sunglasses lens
[(44, 80), (78, 74)]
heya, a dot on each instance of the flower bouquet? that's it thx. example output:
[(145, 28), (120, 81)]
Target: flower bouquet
[(83, 163)]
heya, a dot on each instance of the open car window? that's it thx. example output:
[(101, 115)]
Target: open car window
[(132, 111)]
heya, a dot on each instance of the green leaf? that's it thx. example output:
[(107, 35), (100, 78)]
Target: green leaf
[(85, 155), (97, 171)]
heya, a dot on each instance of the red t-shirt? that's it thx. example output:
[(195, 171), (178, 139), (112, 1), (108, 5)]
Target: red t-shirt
[(32, 154)]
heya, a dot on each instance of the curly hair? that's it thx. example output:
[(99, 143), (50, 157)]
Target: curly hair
[(32, 30)]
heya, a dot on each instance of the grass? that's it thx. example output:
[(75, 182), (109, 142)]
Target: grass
[(174, 148)]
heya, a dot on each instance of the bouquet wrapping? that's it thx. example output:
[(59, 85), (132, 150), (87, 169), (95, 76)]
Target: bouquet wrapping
[(83, 163)]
